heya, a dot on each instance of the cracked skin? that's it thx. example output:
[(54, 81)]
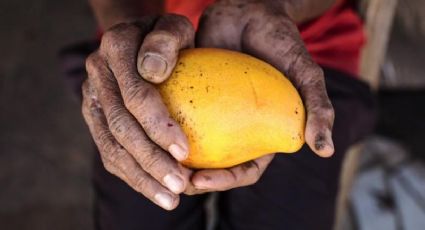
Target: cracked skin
[(232, 107)]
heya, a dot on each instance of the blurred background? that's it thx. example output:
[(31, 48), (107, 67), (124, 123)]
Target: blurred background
[(45, 149)]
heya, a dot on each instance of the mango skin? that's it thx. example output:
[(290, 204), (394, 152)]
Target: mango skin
[(232, 107)]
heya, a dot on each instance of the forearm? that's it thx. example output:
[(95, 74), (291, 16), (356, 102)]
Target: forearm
[(111, 12)]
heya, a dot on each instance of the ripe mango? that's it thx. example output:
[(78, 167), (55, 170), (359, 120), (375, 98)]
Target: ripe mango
[(232, 107)]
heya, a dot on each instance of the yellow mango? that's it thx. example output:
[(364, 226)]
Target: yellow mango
[(232, 107)]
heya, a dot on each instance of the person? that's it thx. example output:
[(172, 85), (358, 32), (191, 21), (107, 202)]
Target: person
[(137, 173)]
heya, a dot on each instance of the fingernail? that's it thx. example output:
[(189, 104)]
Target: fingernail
[(323, 143), (319, 142), (174, 183), (164, 200), (178, 152), (153, 65)]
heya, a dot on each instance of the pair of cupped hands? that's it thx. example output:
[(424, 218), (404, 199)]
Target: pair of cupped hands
[(138, 140)]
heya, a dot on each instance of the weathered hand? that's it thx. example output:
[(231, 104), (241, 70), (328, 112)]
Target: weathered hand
[(125, 114), (263, 29)]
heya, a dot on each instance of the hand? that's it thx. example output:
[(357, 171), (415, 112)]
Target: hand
[(264, 29), (125, 114)]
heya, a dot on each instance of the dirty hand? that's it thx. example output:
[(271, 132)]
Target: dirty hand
[(125, 114), (264, 30)]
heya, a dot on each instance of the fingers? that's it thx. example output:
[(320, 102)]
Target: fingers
[(224, 179), (119, 48), (130, 134), (275, 39), (159, 51), (117, 160)]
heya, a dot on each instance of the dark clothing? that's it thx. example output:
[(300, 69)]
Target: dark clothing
[(296, 191)]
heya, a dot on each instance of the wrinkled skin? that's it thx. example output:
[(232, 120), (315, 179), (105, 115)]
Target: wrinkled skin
[(137, 139)]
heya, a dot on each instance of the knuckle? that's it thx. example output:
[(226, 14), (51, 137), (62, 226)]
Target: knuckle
[(161, 40), (151, 161), (104, 160), (113, 40), (114, 33), (311, 78), (327, 110), (104, 143), (117, 157), (256, 176), (184, 28), (109, 167), (312, 69), (316, 73), (117, 120), (107, 147), (293, 47), (141, 183), (150, 125), (98, 71), (176, 24), (93, 63), (136, 96), (88, 92)]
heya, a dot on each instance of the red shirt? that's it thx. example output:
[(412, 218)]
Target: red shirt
[(333, 39)]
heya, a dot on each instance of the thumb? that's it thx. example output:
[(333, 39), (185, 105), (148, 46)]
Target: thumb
[(160, 48)]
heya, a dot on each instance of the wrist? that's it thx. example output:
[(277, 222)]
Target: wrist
[(111, 12), (288, 8), (300, 11)]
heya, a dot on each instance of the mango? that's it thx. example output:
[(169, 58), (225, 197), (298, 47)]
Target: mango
[(232, 107)]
